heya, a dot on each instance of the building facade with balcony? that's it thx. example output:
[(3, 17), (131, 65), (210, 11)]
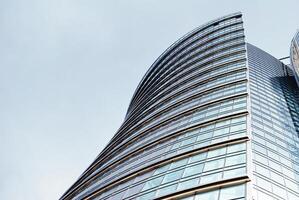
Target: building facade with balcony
[(214, 118)]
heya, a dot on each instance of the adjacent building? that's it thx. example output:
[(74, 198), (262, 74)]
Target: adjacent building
[(214, 118), (294, 56)]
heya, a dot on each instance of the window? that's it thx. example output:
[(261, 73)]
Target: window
[(234, 173), (189, 141), (152, 183), (188, 184), (210, 178), (198, 157), (232, 192), (179, 163), (222, 123), (195, 169), (279, 191), (215, 164), (212, 195), (234, 160), (204, 136), (207, 128), (147, 196), (263, 171), (236, 147), (173, 176), (263, 183), (221, 131), (277, 178), (216, 152), (167, 190), (238, 127), (176, 145), (162, 169)]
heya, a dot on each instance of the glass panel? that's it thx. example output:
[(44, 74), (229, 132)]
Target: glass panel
[(173, 176), (147, 196), (198, 157), (212, 195), (221, 131), (162, 169), (232, 192), (196, 169), (153, 183), (204, 136), (187, 198), (234, 173), (236, 147), (222, 123), (233, 160), (215, 164), (188, 184), (210, 178), (179, 163), (237, 127), (189, 141), (216, 152), (167, 190)]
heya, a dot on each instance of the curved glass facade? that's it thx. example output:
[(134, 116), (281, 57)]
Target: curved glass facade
[(189, 132), (294, 55)]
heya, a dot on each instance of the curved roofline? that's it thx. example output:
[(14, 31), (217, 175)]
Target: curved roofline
[(172, 47)]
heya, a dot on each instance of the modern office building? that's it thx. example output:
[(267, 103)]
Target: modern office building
[(294, 55), (214, 118)]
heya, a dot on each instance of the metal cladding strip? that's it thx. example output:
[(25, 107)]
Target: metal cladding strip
[(206, 187), (167, 72)]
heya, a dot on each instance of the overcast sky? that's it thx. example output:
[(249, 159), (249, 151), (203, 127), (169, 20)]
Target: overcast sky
[(68, 69)]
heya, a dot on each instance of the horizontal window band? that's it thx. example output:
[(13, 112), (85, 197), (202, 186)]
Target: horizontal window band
[(198, 93), (180, 131), (166, 55), (206, 187), (115, 139), (208, 56), (200, 106), (152, 72), (184, 113), (186, 100), (134, 116), (168, 160), (232, 41), (127, 123), (142, 107), (244, 113)]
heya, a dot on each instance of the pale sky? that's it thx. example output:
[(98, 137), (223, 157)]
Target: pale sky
[(68, 69)]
